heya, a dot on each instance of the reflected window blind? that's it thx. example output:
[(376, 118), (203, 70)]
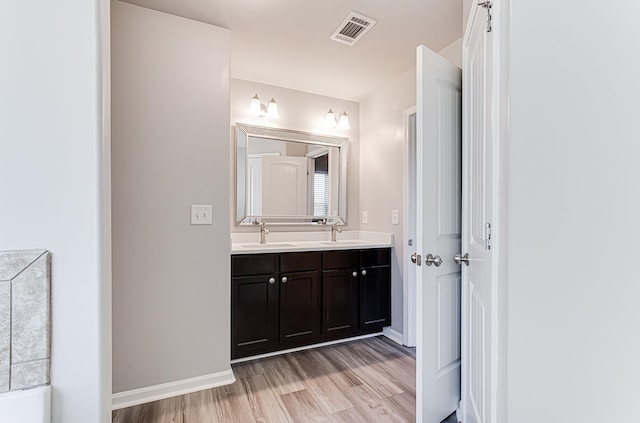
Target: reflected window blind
[(320, 194)]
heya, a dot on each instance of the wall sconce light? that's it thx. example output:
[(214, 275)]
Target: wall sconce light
[(258, 109), (341, 123)]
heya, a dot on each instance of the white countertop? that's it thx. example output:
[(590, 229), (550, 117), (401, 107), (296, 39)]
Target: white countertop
[(283, 242)]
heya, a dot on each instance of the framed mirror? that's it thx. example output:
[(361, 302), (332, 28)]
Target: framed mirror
[(290, 177)]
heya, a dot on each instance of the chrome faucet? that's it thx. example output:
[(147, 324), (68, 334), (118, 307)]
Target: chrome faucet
[(263, 233), (334, 230)]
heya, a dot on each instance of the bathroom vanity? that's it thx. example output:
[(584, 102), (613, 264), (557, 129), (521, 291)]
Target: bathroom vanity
[(300, 288), (304, 293)]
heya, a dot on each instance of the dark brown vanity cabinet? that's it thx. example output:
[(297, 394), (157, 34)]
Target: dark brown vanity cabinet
[(275, 302), (356, 291), (285, 300), (254, 304), (299, 298), (375, 283), (340, 293)]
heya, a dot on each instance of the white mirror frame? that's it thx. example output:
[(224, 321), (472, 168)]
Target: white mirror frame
[(242, 134)]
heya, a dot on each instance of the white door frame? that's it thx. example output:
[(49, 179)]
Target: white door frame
[(409, 269), (105, 284), (501, 135)]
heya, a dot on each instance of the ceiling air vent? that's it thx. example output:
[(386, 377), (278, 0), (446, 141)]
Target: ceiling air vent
[(352, 29)]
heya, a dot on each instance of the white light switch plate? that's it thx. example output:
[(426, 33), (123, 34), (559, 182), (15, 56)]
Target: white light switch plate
[(201, 214), (394, 217), (365, 217)]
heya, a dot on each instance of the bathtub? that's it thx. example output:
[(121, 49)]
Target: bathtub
[(26, 406)]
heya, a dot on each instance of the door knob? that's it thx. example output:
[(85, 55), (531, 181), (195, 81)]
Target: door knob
[(431, 259), (272, 280), (459, 259), (284, 279), (364, 273), (355, 274), (414, 258)]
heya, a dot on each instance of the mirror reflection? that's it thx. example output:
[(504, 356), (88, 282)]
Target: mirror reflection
[(281, 178)]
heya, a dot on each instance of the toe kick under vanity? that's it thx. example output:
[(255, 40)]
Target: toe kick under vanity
[(288, 295)]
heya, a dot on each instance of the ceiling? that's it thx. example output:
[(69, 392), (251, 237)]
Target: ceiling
[(286, 42)]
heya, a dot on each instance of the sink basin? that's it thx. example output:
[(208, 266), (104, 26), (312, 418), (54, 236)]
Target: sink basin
[(346, 241), (271, 245)]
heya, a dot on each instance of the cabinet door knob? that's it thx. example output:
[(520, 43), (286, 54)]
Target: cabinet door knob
[(284, 279), (364, 273), (272, 280), (355, 274)]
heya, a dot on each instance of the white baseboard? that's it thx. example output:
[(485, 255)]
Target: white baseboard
[(394, 335), (306, 347), (171, 389)]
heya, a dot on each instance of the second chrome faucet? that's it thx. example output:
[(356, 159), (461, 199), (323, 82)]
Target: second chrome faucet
[(263, 233), (334, 231)]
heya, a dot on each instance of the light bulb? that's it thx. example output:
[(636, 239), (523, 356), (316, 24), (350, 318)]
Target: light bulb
[(254, 109), (330, 119), (344, 121), (272, 111)]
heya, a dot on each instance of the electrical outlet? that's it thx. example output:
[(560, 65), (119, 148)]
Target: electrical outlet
[(394, 217), (365, 217), (201, 214)]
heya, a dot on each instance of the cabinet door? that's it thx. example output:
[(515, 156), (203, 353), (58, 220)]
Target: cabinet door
[(375, 298), (254, 315), (299, 307), (339, 302)]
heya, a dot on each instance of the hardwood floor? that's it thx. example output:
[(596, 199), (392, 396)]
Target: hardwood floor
[(365, 381)]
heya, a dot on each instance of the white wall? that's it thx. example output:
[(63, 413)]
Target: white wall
[(299, 111), (50, 183), (170, 94), (573, 208), (453, 52), (382, 173), (466, 9), (382, 154)]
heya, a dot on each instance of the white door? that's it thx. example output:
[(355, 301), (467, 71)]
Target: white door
[(439, 109), (284, 186), (477, 205)]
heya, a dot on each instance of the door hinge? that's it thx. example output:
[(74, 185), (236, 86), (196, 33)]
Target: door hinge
[(487, 236), (488, 5)]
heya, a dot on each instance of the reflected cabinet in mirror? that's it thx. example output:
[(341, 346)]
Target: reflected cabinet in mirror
[(290, 177)]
